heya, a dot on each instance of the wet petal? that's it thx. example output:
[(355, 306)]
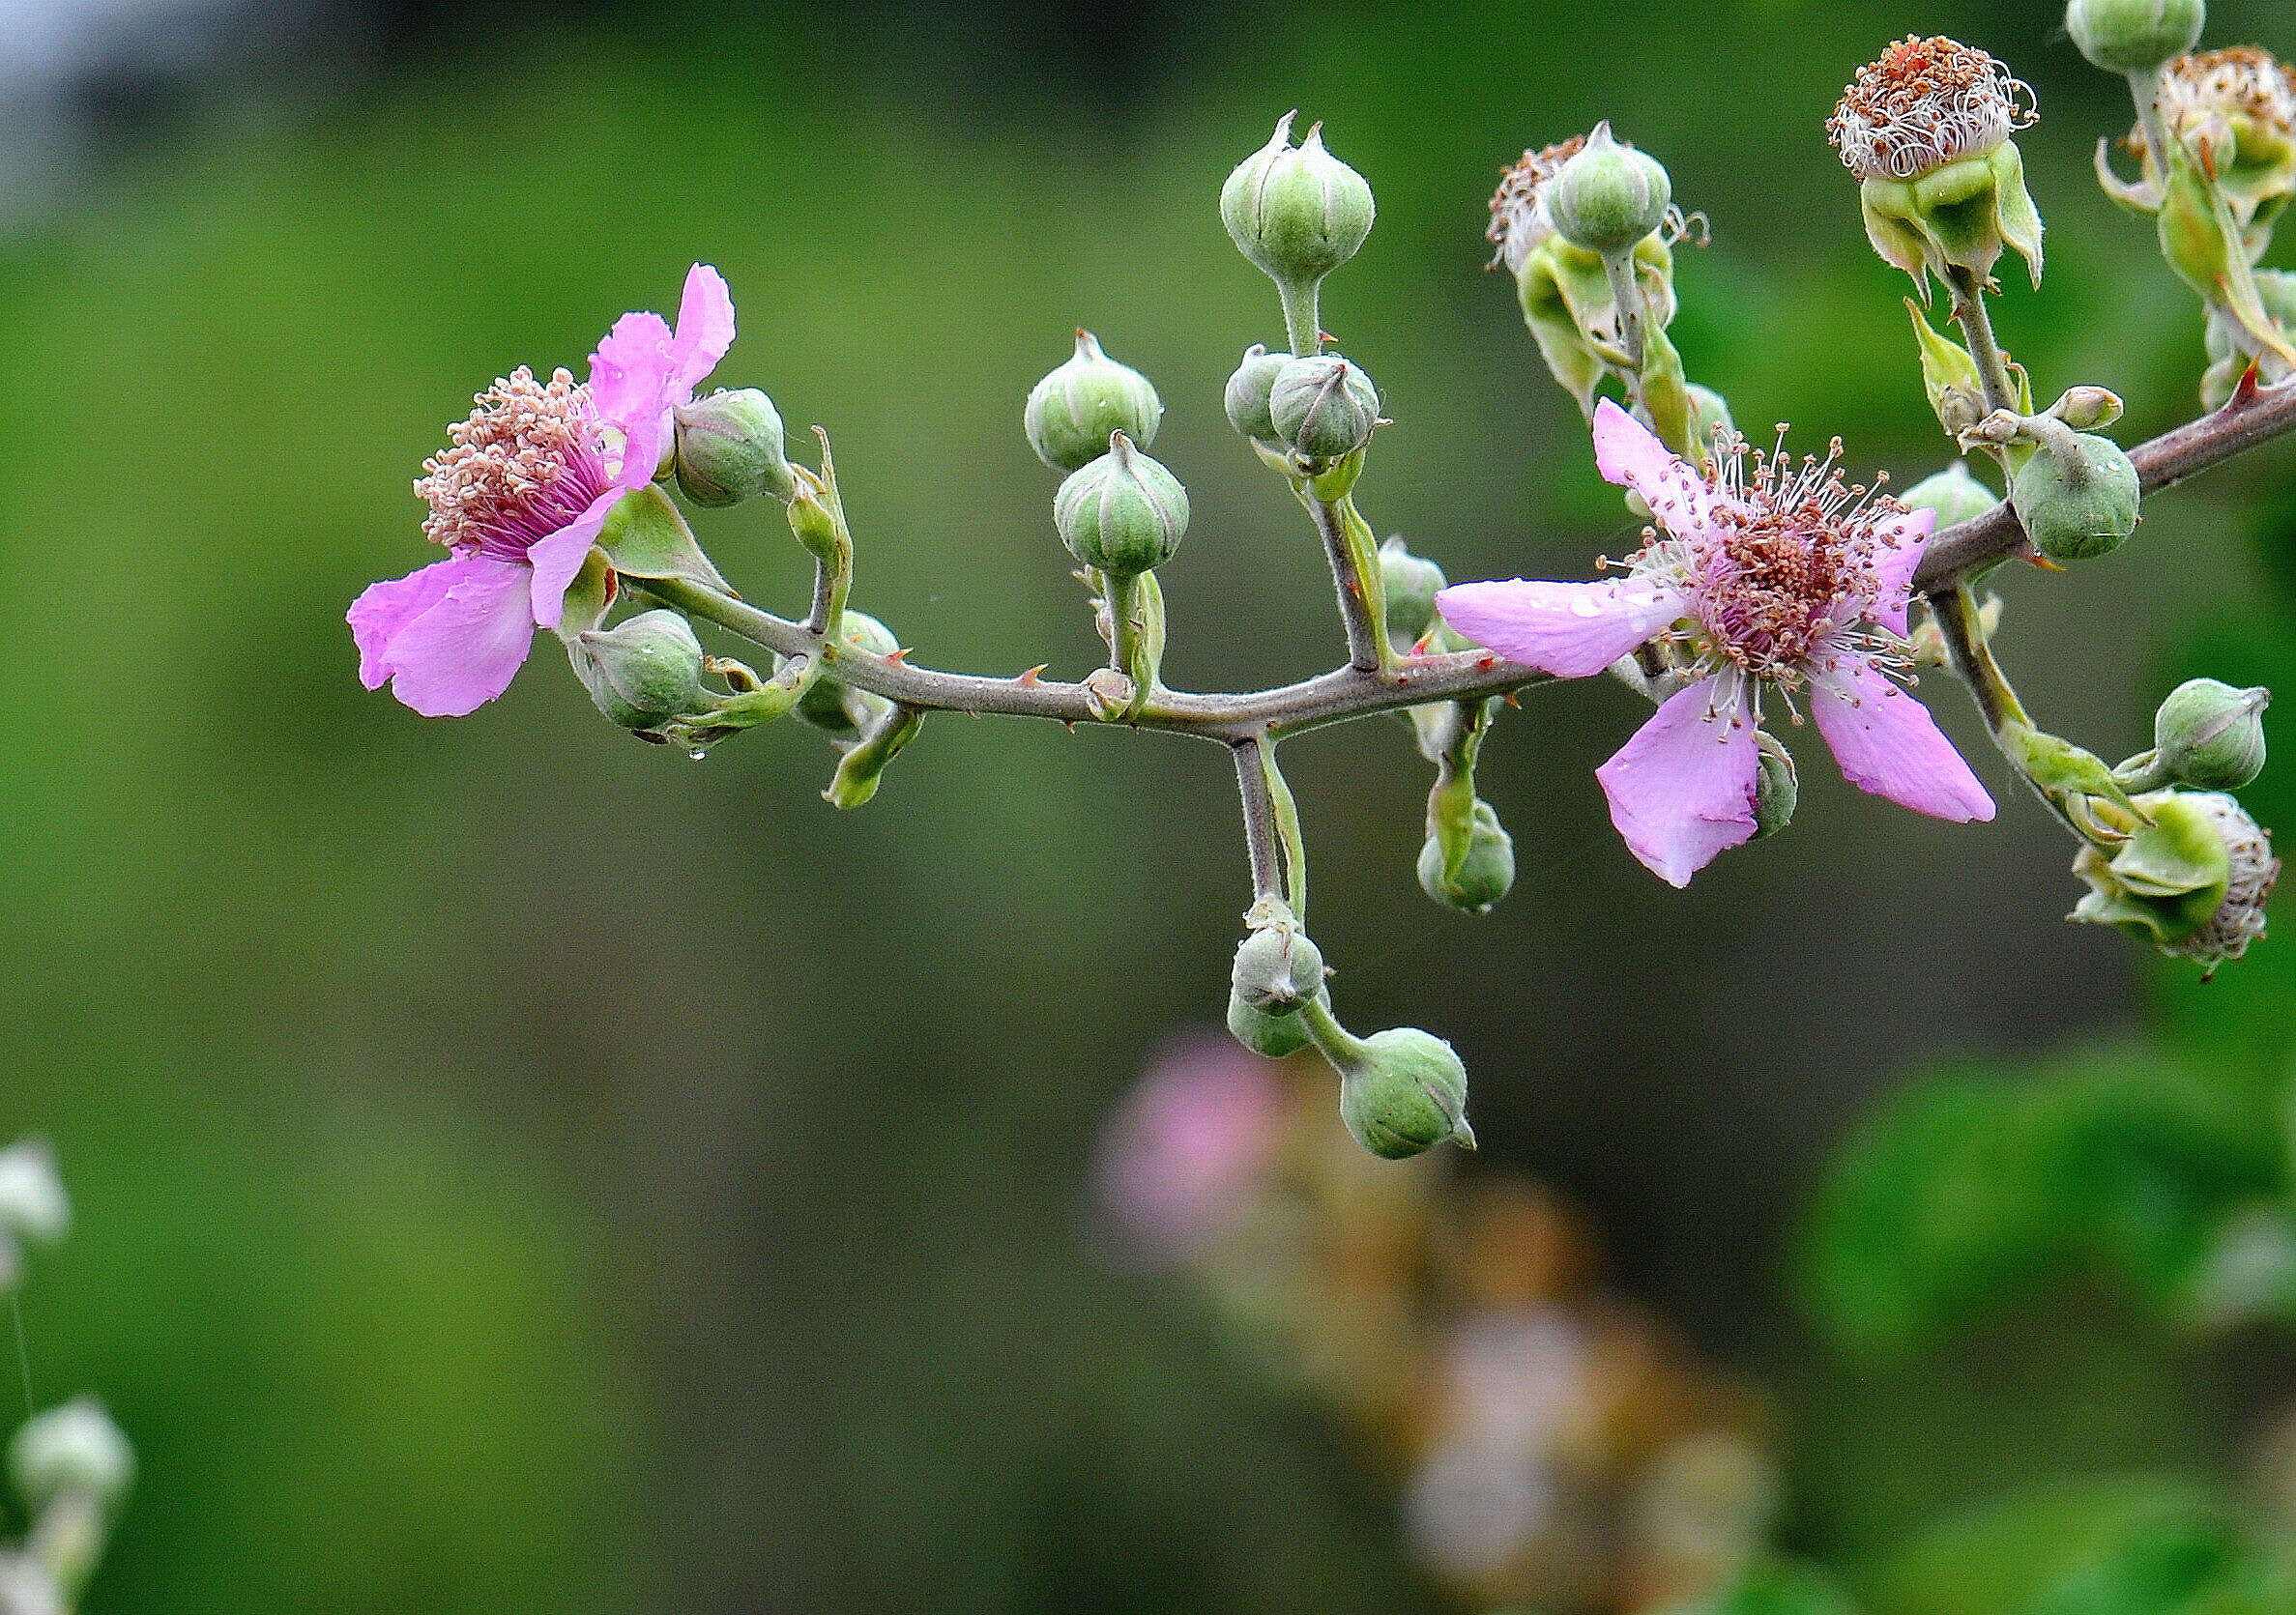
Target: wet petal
[(1682, 789), (1629, 454), (1903, 539), (1573, 630), (1886, 742), (704, 330), (556, 559), (629, 385), (462, 651)]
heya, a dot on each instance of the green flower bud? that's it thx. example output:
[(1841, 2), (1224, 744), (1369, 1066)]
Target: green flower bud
[(643, 669), (70, 1451), (1400, 1092), (2134, 36), (1124, 513), (730, 448), (2076, 497), (1298, 213), (1248, 392), (839, 710), (1953, 493), (1409, 583), (1277, 968), (33, 1204), (1777, 788), (1073, 410), (2209, 736), (2194, 882), (1484, 876), (2086, 409), (1608, 196), (1274, 1036), (1323, 408), (1709, 419)]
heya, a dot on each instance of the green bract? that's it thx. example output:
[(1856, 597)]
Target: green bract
[(1608, 196), (1567, 303), (2078, 497), (1124, 513), (2194, 882), (1072, 411), (1297, 212), (2134, 36), (730, 448)]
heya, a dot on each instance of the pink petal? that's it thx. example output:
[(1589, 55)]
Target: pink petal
[(1682, 789), (1887, 743), (556, 559), (463, 648), (1905, 537), (1573, 630), (629, 385), (1630, 455), (377, 616), (704, 330)]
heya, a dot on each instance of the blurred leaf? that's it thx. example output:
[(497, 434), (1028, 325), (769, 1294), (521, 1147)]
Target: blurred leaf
[(1773, 1587)]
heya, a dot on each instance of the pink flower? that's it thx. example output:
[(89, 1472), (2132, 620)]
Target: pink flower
[(1180, 1156), (521, 496), (1783, 578)]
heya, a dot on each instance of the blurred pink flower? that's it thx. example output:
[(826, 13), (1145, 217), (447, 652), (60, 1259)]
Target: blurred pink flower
[(521, 496), (1178, 1156), (1790, 581)]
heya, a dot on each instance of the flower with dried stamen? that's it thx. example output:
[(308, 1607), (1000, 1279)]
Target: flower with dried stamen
[(519, 496), (2194, 881), (1926, 130), (1771, 575), (2235, 110)]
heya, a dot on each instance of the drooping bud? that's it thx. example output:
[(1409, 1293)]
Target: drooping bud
[(2077, 496), (1927, 128), (1298, 213), (1263, 1033), (72, 1450), (730, 448), (1486, 872), (1277, 968), (33, 1204), (1072, 411), (1953, 493), (1124, 513), (643, 669), (839, 710), (1409, 583), (2194, 882), (1323, 408), (1401, 1091), (1608, 197), (2134, 36), (2208, 737), (1248, 391), (1777, 786)]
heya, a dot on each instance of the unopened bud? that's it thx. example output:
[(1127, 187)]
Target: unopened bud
[(1402, 1092), (70, 1450), (1777, 788), (1072, 410), (643, 669), (1409, 583), (1484, 876), (33, 1204), (2209, 736), (1323, 408), (1248, 391), (837, 708), (2134, 36), (1297, 212), (2086, 409), (1608, 196), (1952, 494), (1262, 1032), (1124, 513), (1277, 968), (2078, 497), (730, 448)]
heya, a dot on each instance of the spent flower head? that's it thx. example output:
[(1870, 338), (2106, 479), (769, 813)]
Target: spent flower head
[(1769, 574), (1519, 217), (2235, 110)]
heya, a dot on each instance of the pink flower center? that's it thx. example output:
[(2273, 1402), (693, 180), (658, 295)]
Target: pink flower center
[(527, 462)]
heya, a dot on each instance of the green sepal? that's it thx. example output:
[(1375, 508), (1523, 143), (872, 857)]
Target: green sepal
[(2070, 778), (2165, 882), (588, 597), (861, 769), (1948, 376), (646, 537)]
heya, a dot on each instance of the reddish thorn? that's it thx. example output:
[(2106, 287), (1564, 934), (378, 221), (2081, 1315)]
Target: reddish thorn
[(1487, 664), (1028, 680), (898, 657), (2244, 392), (2044, 563), (1515, 699), (1069, 724)]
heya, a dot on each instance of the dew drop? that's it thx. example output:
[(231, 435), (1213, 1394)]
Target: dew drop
[(696, 755)]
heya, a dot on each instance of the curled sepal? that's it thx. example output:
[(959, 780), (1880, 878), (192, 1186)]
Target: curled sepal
[(2276, 294), (1961, 214), (1777, 786), (589, 597), (1400, 1092), (2193, 883), (1572, 312), (862, 768), (1948, 376), (646, 537), (2073, 781)]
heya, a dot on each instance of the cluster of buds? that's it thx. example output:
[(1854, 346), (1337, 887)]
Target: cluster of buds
[(70, 1466)]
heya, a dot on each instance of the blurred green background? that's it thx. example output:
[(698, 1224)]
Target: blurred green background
[(522, 1169)]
